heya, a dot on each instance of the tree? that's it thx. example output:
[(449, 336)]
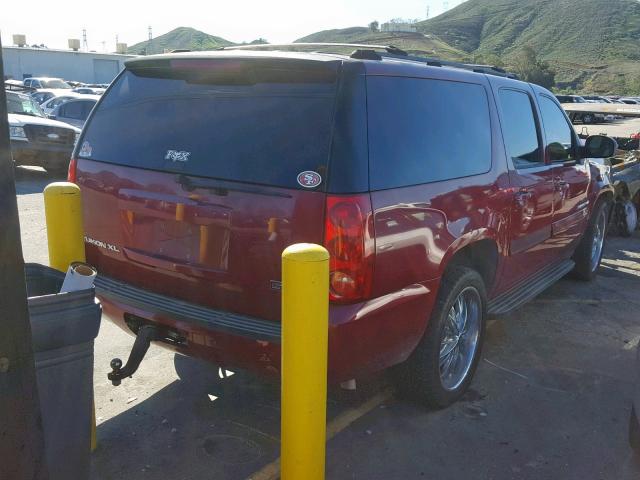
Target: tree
[(374, 26), (531, 69)]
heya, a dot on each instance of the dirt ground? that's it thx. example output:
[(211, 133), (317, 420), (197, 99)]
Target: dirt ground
[(550, 400)]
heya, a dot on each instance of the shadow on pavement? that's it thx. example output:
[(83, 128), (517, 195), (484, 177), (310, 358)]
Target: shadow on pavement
[(33, 180)]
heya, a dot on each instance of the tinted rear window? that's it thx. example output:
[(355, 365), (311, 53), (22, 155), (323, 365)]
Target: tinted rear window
[(424, 130), (243, 121)]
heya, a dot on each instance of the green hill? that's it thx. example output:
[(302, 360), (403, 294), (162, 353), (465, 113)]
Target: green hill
[(179, 39), (592, 44), (414, 43)]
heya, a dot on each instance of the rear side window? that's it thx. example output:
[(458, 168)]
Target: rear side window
[(75, 110), (558, 132), (423, 130), (249, 121), (519, 129)]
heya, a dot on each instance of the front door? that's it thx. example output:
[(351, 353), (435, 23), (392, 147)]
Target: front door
[(571, 176), (532, 183)]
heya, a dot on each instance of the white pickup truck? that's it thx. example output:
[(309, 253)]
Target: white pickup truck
[(36, 139)]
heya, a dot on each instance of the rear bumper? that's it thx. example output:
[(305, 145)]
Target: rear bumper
[(42, 155), (363, 338)]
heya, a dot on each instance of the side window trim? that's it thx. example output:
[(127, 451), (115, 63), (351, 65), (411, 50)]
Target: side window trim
[(542, 165), (574, 144)]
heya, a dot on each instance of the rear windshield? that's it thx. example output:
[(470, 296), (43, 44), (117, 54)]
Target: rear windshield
[(240, 121)]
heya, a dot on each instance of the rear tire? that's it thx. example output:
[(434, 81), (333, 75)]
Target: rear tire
[(588, 255), (441, 367)]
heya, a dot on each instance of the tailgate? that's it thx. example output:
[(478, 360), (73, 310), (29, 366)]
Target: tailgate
[(217, 244)]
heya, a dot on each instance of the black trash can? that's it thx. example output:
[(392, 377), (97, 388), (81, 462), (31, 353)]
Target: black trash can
[(63, 326)]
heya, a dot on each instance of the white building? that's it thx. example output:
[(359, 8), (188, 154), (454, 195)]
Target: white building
[(86, 67), (398, 26)]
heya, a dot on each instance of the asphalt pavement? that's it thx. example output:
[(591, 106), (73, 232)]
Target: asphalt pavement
[(550, 400)]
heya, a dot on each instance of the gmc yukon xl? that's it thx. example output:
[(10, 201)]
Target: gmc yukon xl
[(444, 193)]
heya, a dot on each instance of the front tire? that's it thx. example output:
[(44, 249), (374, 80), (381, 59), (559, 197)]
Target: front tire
[(441, 368), (588, 255)]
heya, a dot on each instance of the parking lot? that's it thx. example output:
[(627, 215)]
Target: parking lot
[(551, 398)]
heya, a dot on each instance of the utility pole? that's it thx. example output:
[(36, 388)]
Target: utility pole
[(149, 49), (21, 435)]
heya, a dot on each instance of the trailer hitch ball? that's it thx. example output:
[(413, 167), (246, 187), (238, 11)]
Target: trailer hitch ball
[(116, 366), (146, 334)]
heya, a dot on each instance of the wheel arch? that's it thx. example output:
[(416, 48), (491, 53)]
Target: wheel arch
[(477, 250)]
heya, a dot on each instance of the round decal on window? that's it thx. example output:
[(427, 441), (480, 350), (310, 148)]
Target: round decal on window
[(309, 179)]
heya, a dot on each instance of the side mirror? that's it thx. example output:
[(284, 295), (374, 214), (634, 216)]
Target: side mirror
[(51, 116), (600, 146)]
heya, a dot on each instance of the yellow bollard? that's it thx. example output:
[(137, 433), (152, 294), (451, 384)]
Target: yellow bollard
[(65, 236), (65, 230), (305, 318)]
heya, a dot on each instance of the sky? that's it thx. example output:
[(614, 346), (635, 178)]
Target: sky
[(279, 21)]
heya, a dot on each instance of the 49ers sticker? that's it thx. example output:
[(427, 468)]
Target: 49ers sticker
[(309, 179)]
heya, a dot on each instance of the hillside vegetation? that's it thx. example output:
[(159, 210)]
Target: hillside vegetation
[(592, 44), (414, 43), (178, 39)]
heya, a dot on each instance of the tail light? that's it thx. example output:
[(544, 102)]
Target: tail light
[(348, 238), (72, 174)]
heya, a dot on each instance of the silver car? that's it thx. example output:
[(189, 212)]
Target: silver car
[(75, 111)]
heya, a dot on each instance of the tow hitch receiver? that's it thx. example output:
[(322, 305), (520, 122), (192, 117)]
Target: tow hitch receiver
[(146, 334)]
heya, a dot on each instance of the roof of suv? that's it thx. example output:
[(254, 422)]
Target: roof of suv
[(374, 64)]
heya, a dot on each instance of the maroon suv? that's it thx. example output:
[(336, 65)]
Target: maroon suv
[(444, 193)]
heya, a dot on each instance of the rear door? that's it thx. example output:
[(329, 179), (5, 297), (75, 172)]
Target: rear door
[(197, 173), (530, 245), (570, 175)]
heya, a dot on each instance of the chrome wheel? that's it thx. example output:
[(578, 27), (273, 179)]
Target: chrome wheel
[(459, 341), (599, 229)]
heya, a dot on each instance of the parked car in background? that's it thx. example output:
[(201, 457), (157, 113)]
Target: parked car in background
[(75, 111), (585, 118), (45, 82), (45, 94), (442, 194), (570, 99), (49, 105), (630, 101), (36, 139), (596, 99), (89, 90)]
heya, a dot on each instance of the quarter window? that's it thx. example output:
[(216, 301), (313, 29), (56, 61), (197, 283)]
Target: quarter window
[(558, 132), (519, 129), (423, 130)]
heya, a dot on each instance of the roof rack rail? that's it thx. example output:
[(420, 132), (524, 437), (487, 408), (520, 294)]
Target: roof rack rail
[(368, 54), (359, 46), (378, 52)]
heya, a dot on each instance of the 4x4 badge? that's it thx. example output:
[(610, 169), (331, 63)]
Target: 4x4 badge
[(309, 179), (177, 155)]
